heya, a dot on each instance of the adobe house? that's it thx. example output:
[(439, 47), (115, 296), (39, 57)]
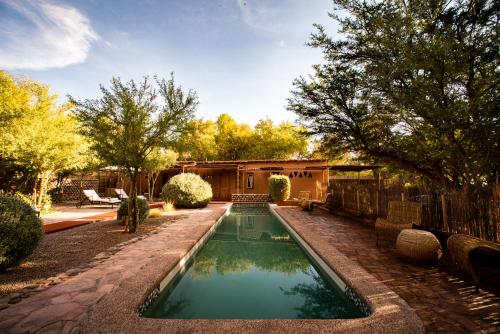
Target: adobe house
[(250, 176)]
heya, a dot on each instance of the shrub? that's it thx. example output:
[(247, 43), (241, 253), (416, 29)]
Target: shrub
[(20, 231), (168, 207), (143, 209), (187, 190), (154, 213), (279, 187)]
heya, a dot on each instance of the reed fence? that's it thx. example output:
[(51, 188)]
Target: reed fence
[(477, 215)]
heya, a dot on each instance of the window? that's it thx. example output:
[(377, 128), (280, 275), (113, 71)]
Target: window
[(250, 180)]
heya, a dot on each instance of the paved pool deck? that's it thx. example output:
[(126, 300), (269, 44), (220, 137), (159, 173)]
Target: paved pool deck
[(446, 303), (105, 298)]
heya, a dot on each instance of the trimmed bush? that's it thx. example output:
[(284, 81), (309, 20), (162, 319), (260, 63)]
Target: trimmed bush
[(20, 231), (187, 190), (279, 187), (143, 209)]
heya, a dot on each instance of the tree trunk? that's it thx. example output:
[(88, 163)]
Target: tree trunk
[(133, 210)]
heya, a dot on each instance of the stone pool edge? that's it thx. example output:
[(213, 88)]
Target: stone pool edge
[(117, 312), (389, 312)]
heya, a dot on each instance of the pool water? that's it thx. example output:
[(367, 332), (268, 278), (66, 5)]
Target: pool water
[(251, 268)]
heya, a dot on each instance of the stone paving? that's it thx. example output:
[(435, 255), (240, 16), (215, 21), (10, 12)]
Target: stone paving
[(61, 308), (445, 302)]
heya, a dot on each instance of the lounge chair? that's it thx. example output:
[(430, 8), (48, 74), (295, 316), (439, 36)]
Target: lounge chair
[(122, 195), (308, 205), (479, 258), (93, 198)]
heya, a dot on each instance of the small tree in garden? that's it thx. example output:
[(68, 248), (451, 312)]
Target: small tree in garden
[(127, 123), (279, 187), (158, 160)]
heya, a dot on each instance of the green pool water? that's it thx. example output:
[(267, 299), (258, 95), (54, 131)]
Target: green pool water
[(251, 268)]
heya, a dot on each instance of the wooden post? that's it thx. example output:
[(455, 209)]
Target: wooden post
[(238, 179), (402, 196), (357, 202), (377, 199), (343, 206), (444, 207)]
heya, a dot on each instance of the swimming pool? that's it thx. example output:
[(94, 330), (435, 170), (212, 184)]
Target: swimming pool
[(253, 268)]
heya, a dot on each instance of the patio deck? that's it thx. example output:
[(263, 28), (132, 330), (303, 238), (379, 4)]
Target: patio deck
[(445, 302)]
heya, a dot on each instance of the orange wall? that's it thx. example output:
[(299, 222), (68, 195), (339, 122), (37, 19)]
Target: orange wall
[(224, 179)]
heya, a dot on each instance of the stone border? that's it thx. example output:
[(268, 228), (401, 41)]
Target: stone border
[(180, 267), (327, 271)]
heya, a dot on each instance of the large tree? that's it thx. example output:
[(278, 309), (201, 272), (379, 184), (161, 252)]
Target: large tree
[(39, 135), (128, 122), (411, 83)]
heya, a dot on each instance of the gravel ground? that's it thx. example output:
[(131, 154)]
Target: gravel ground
[(64, 250)]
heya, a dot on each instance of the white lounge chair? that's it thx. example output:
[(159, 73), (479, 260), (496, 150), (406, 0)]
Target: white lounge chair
[(122, 195), (93, 198)]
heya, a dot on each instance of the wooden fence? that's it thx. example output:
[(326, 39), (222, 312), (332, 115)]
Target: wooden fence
[(477, 215)]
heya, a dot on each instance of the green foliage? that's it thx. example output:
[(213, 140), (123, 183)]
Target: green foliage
[(20, 231), (127, 123), (228, 140), (158, 160), (282, 141), (412, 83), (233, 140), (198, 142), (37, 133), (279, 187), (187, 190), (143, 209)]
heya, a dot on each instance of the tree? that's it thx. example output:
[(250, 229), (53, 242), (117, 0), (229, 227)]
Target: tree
[(38, 134), (158, 160), (233, 140), (283, 141), (198, 142), (127, 123), (412, 83)]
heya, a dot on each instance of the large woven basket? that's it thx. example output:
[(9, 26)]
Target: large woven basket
[(418, 246)]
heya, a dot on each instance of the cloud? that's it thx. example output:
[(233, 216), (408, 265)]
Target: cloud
[(44, 35), (258, 15), (281, 44)]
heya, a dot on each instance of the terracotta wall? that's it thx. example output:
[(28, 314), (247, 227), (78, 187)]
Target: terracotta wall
[(224, 179)]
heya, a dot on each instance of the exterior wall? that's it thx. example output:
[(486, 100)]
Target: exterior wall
[(224, 179), (316, 184)]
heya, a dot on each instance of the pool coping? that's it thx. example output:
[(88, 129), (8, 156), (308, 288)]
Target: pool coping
[(117, 311)]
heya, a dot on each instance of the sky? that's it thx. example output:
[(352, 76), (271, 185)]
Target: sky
[(240, 56)]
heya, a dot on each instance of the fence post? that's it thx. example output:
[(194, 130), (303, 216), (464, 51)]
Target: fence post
[(357, 201), (343, 199), (402, 196), (444, 207)]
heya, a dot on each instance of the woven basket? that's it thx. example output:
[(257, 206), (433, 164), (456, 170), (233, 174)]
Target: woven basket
[(418, 246)]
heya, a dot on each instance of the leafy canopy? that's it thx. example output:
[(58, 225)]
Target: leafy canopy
[(128, 123), (227, 139), (36, 132), (411, 83)]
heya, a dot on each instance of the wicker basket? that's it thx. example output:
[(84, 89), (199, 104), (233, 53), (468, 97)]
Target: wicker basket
[(418, 246)]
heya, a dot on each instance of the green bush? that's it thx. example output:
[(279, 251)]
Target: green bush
[(143, 209), (20, 231), (279, 187), (187, 190)]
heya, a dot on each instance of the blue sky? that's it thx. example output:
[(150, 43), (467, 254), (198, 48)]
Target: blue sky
[(240, 56)]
